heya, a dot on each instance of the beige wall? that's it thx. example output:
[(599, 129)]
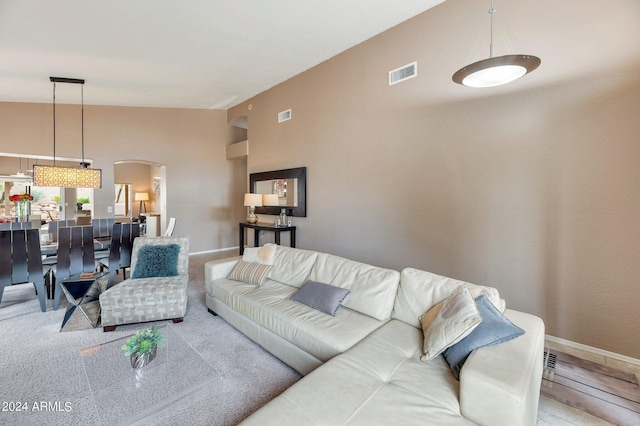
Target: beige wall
[(203, 188), (533, 188)]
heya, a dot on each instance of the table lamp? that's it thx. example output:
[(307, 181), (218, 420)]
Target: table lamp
[(270, 200), (252, 200), (142, 197)]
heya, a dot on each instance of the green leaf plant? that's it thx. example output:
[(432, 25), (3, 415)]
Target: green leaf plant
[(143, 341)]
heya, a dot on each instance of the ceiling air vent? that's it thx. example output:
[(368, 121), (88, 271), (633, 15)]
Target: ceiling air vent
[(403, 73), (284, 116)]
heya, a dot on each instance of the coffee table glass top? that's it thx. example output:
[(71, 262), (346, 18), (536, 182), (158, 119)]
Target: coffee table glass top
[(123, 395)]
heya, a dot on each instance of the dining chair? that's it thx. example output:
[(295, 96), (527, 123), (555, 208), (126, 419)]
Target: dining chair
[(170, 227), (102, 227), (102, 232), (21, 261), (55, 224), (49, 261), (120, 249), (10, 226), (75, 255)]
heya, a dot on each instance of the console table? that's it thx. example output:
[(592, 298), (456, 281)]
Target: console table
[(265, 227)]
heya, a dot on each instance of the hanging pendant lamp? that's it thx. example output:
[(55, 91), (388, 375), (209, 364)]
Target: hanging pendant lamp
[(495, 71), (67, 177)]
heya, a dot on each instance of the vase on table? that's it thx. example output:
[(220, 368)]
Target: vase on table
[(139, 360), (23, 210), (282, 218)]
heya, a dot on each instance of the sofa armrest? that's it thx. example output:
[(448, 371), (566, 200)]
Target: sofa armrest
[(215, 269), (500, 385)]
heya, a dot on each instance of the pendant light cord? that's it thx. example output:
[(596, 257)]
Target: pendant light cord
[(491, 12), (82, 119), (54, 124)]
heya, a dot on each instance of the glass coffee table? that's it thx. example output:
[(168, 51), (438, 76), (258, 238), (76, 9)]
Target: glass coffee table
[(123, 395)]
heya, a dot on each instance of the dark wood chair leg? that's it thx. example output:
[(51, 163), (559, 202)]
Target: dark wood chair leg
[(177, 320), (107, 328)]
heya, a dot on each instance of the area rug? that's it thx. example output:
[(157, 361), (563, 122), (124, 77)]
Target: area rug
[(43, 374)]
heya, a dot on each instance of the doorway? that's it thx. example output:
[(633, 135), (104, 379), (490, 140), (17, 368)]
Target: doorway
[(141, 180)]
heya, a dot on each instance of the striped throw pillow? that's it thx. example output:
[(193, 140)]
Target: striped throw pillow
[(249, 272)]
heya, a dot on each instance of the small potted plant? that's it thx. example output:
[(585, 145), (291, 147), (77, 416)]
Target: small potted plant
[(142, 346)]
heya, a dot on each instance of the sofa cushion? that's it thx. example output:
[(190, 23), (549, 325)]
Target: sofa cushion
[(494, 329), (381, 380), (448, 322), (270, 305), (292, 266), (249, 272), (157, 261), (323, 297), (420, 290), (373, 289)]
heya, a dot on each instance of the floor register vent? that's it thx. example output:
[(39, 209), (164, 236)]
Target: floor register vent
[(403, 73), (548, 368)]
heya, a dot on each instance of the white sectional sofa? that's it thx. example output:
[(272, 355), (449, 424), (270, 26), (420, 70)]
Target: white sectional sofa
[(362, 366)]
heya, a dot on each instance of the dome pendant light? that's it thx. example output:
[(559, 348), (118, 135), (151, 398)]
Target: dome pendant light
[(495, 71)]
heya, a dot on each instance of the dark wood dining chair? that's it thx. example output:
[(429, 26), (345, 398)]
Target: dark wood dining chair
[(50, 261), (102, 227), (120, 249), (55, 224), (75, 255), (10, 226), (21, 261)]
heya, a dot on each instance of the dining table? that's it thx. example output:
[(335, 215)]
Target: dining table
[(51, 248)]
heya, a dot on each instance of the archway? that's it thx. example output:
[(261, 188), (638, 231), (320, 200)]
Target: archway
[(147, 180)]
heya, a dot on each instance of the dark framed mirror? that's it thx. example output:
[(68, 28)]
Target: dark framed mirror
[(290, 186)]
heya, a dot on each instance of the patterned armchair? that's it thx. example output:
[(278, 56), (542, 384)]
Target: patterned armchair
[(145, 297)]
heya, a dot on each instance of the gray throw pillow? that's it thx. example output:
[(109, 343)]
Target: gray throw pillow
[(323, 297), (495, 328)]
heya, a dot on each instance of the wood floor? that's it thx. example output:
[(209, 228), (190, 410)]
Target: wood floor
[(606, 392), (587, 389)]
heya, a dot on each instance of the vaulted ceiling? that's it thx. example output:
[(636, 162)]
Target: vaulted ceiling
[(184, 54)]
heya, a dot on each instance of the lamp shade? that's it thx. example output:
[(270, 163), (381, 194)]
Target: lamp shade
[(253, 200), (142, 196), (270, 200), (496, 71), (67, 177)]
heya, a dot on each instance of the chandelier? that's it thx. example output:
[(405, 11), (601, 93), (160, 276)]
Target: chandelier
[(67, 177)]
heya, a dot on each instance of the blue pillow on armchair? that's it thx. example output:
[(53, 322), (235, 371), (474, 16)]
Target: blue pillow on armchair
[(157, 261)]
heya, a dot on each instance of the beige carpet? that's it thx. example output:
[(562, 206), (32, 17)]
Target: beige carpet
[(42, 364)]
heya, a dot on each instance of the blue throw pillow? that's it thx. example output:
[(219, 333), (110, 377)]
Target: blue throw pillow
[(495, 328), (323, 297), (157, 261)]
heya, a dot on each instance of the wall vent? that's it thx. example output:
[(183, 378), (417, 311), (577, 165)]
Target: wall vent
[(403, 73), (284, 116)]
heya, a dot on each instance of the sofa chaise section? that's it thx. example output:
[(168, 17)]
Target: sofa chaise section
[(381, 380)]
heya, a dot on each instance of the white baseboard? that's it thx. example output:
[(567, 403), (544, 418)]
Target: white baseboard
[(215, 250), (591, 349)]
